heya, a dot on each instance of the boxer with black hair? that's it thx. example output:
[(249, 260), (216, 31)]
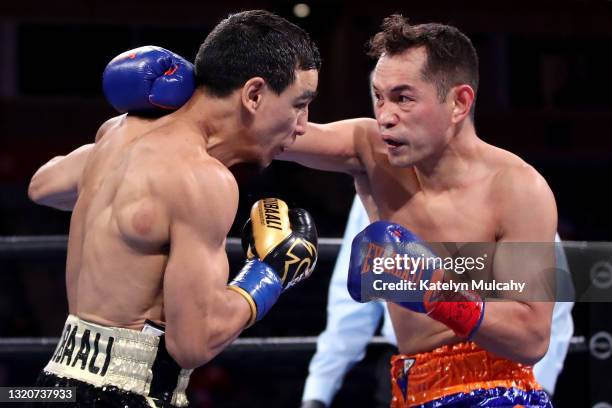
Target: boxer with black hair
[(153, 199)]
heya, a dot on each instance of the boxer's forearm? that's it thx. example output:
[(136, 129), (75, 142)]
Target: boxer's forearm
[(55, 184), (63, 201), (227, 324), (197, 335), (330, 147), (517, 331)]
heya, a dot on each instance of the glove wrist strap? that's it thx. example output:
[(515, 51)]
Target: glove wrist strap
[(260, 286), (461, 311)]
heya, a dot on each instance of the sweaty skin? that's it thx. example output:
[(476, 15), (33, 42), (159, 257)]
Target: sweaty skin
[(420, 164), (121, 225), (153, 201), (141, 243)]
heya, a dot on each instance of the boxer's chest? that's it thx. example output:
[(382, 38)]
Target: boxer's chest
[(464, 214)]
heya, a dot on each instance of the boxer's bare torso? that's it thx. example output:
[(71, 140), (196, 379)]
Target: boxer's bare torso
[(469, 211), (153, 201), (421, 164), (119, 232), (487, 199)]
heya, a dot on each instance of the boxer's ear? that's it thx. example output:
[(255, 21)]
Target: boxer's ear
[(252, 93), (462, 98)]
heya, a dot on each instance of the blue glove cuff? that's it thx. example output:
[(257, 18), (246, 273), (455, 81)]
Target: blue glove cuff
[(261, 283)]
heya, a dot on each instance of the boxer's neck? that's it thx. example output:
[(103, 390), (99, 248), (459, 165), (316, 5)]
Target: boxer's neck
[(452, 166), (219, 122)]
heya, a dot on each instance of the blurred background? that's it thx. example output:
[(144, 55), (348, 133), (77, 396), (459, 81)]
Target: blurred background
[(545, 94)]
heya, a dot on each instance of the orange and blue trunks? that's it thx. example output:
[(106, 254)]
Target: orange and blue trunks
[(463, 376)]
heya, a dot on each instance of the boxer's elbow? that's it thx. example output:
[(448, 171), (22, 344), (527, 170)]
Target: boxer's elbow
[(193, 351), (38, 190), (189, 351), (34, 190), (532, 356), (190, 361), (521, 335), (41, 185), (534, 351), (53, 191), (60, 200), (539, 350)]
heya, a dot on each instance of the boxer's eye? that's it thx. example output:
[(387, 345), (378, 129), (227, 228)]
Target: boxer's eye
[(378, 99)]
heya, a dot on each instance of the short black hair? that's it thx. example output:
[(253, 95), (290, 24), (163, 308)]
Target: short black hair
[(451, 57), (254, 43)]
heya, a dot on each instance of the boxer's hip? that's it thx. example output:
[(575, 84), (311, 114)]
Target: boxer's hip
[(462, 375), (119, 358)]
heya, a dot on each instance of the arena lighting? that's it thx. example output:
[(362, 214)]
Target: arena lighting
[(301, 10)]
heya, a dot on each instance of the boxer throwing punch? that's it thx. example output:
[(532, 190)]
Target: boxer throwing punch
[(152, 201), (422, 168)]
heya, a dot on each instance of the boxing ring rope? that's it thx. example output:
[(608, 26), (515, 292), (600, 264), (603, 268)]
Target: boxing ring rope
[(29, 247), (12, 346), (19, 247)]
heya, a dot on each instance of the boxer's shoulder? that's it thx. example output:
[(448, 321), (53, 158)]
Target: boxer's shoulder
[(516, 179), (366, 133), (365, 127), (369, 146), (522, 198), (199, 189), (510, 174), (109, 124)]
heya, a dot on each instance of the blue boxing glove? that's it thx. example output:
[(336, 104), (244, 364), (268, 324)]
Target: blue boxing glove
[(388, 261), (281, 246), (148, 79)]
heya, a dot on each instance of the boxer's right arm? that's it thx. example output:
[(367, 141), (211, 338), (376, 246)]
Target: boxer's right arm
[(56, 183), (333, 146)]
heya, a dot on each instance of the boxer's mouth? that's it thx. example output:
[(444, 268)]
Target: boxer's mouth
[(391, 142)]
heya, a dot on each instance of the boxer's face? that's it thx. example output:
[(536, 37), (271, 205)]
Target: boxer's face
[(284, 117), (413, 122)]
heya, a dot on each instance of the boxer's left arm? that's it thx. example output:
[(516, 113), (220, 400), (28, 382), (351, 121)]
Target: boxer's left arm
[(56, 183), (519, 329), (130, 77)]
